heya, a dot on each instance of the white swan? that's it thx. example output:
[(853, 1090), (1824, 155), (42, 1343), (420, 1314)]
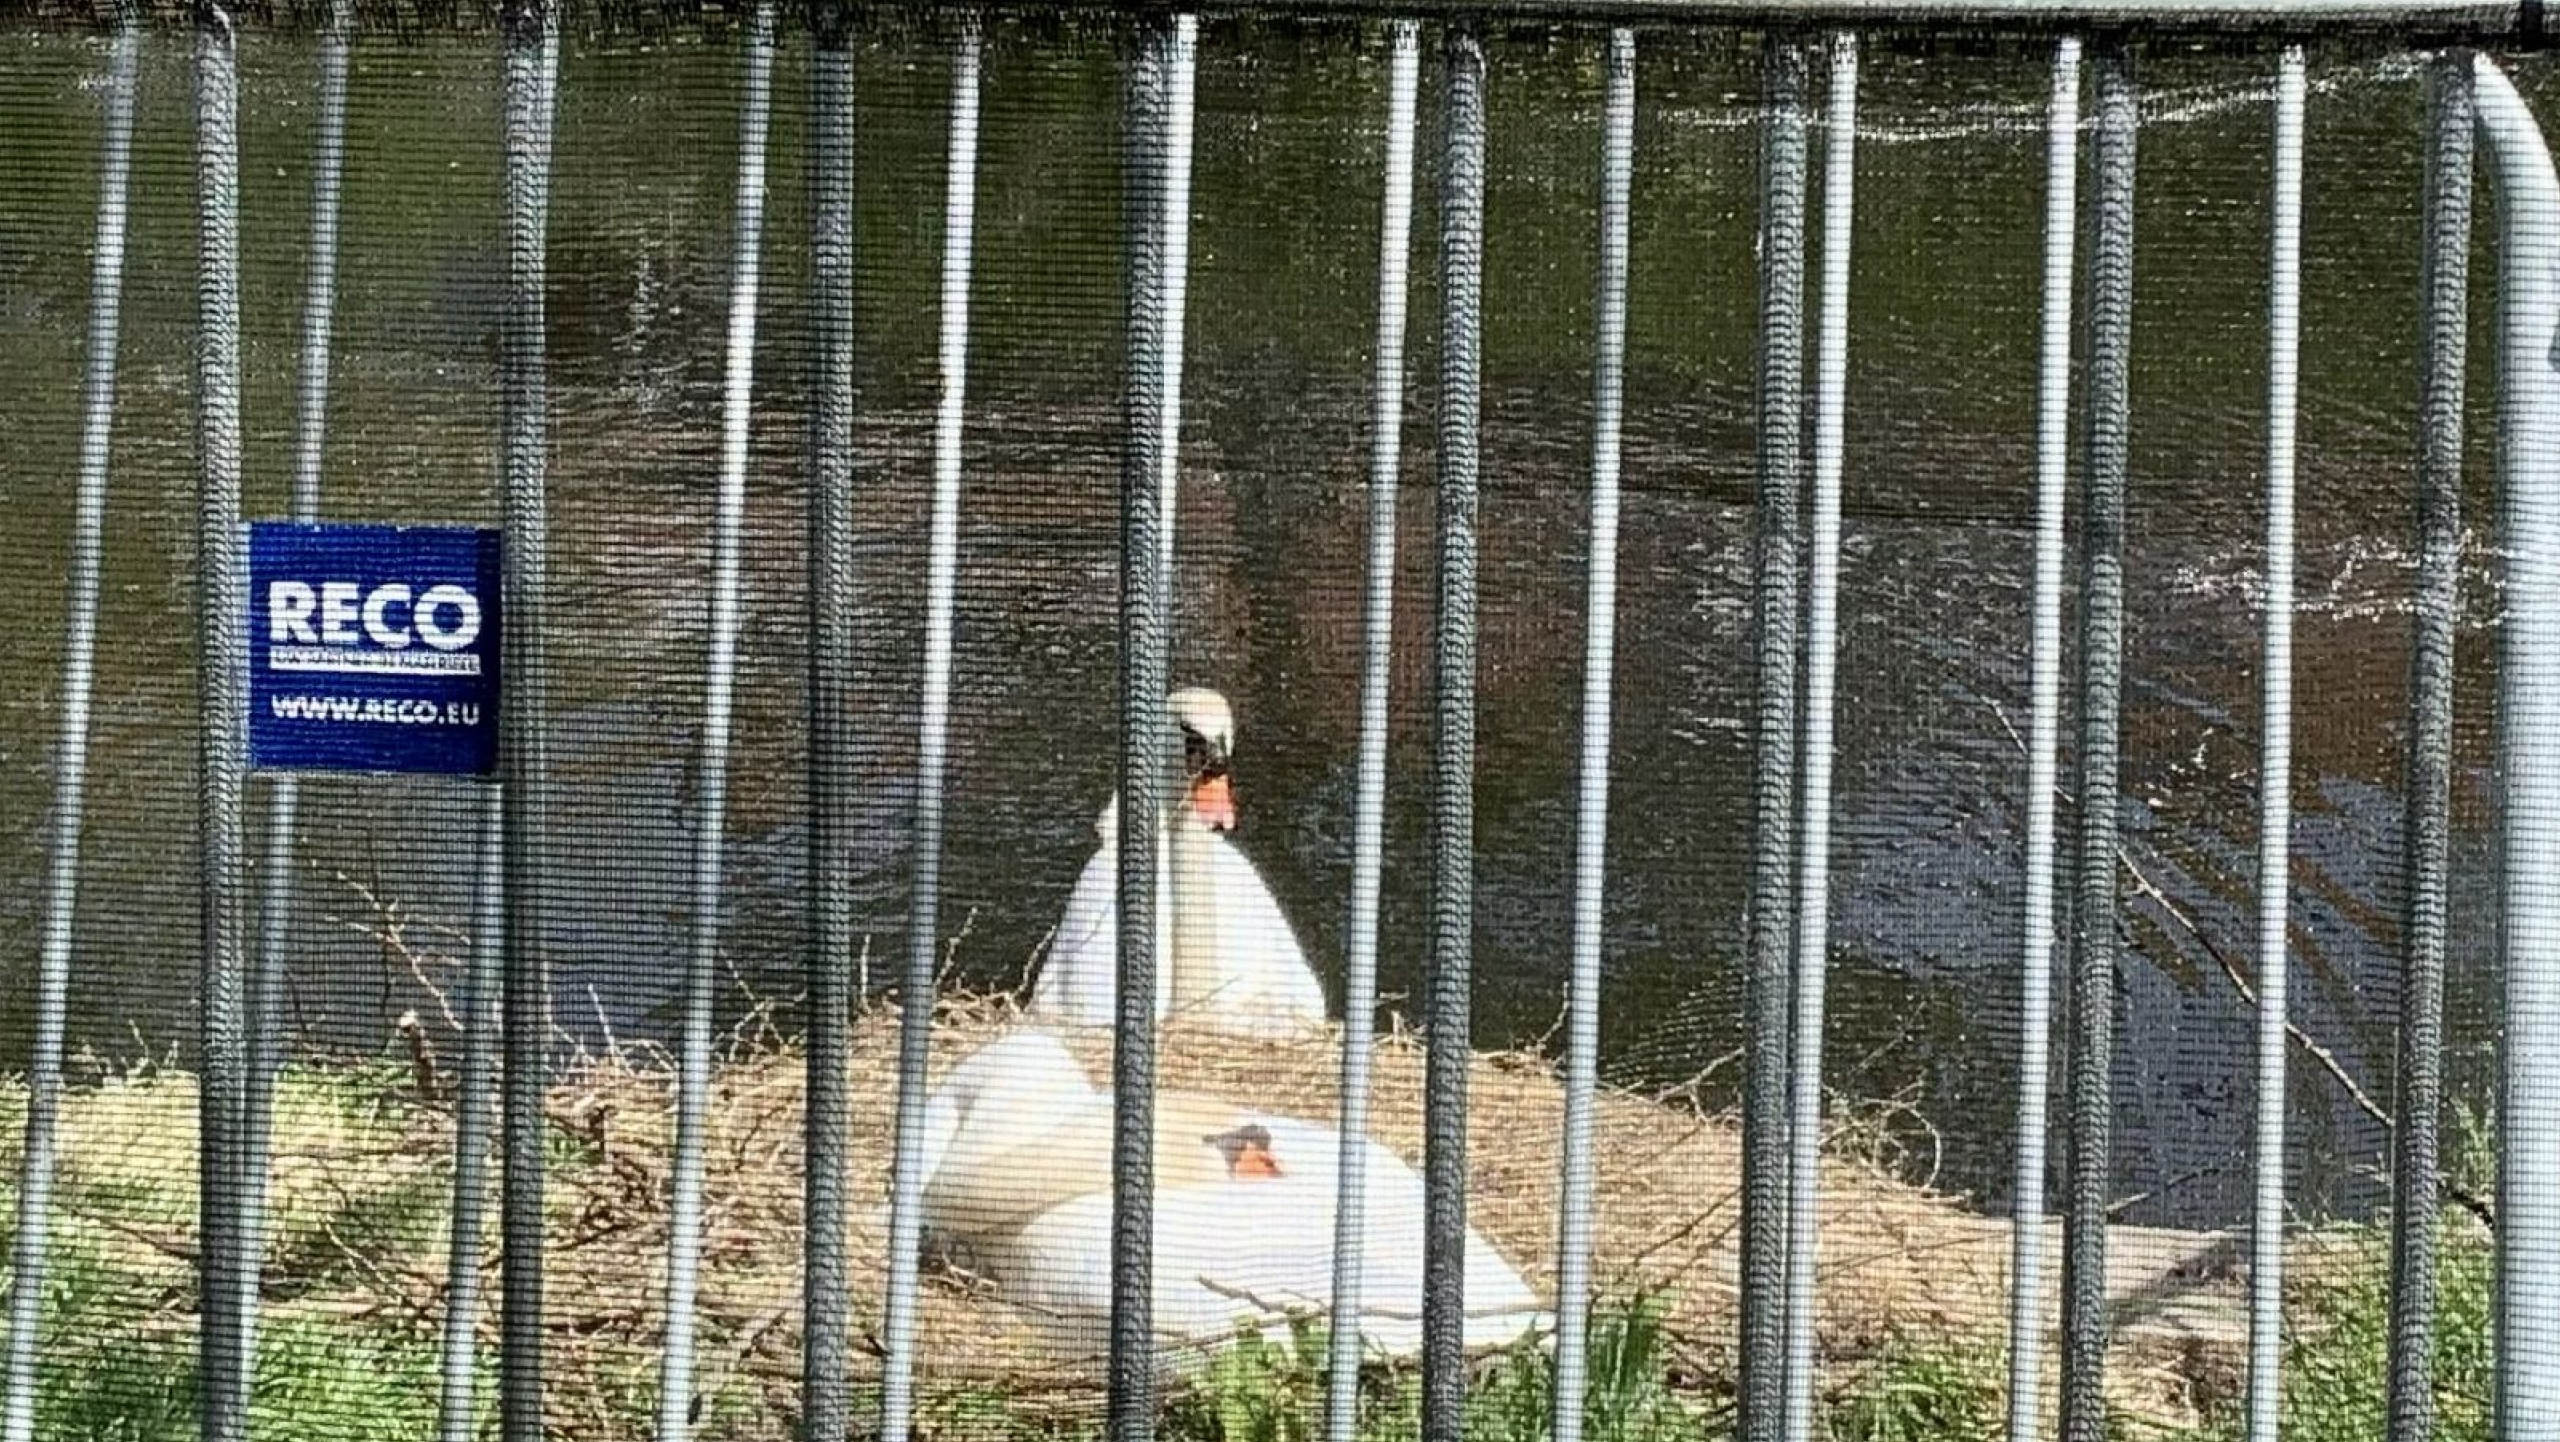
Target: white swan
[(1231, 958), (1018, 1149)]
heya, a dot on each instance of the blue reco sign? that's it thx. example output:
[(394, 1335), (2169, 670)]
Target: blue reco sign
[(373, 648)]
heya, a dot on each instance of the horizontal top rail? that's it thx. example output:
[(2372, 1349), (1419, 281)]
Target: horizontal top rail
[(2487, 21)]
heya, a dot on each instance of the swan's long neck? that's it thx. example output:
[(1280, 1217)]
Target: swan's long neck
[(1195, 961)]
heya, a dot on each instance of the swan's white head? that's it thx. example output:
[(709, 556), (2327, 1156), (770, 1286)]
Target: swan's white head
[(1201, 739)]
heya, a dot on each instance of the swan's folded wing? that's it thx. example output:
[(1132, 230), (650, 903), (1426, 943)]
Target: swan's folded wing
[(1251, 1255), (1005, 1131), (1501, 1304), (941, 1122), (998, 1176), (1211, 1275), (1056, 1270)]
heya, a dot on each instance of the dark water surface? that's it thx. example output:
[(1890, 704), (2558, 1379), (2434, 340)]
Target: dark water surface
[(1272, 527)]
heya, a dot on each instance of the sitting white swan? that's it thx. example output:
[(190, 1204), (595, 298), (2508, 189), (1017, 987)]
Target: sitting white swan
[(1017, 1151), (1231, 959)]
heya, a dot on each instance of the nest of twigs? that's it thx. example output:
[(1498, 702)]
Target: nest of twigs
[(363, 1183), (1896, 1257)]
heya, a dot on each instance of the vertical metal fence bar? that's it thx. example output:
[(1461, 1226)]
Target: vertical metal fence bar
[(942, 573), (2443, 348), (1368, 829), (320, 290), (460, 1364), (309, 436), (71, 744), (1184, 82), (222, 588), (1450, 982), (2528, 1406), (310, 429), (1785, 120), (1575, 1221), (2275, 761), (2093, 936), (550, 95), (825, 1292), (1144, 678), (2044, 737), (1813, 895), (693, 1078), (529, 51), (490, 995)]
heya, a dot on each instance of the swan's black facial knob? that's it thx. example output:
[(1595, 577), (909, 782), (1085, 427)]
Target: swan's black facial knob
[(1247, 1150), (1204, 764)]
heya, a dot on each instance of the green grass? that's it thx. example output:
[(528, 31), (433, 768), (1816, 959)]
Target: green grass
[(2336, 1354), (1262, 1390), (1920, 1389), (2338, 1318), (340, 1358), (120, 1366), (1939, 1392), (1267, 1391)]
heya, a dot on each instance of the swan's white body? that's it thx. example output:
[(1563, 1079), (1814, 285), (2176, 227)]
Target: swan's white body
[(1017, 1155), (1243, 972), (1229, 957)]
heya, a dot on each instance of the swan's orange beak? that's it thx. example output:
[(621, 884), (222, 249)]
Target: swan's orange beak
[(1248, 1151), (1214, 801)]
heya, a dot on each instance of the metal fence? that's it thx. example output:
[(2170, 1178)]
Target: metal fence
[(1800, 438)]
